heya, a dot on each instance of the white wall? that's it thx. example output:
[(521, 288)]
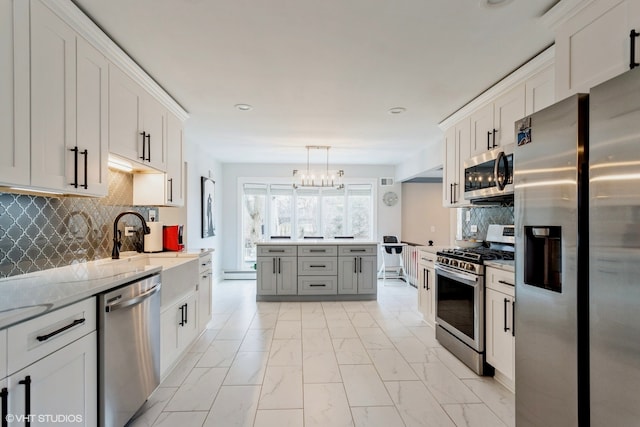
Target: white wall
[(388, 219), (430, 158), (200, 162), (423, 217)]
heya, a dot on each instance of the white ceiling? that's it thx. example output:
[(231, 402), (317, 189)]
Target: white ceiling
[(322, 72)]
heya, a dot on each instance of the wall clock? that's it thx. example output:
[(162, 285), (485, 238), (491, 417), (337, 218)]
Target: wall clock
[(390, 198)]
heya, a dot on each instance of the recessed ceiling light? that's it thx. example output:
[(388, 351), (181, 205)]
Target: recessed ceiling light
[(397, 110), (243, 107), (494, 3)]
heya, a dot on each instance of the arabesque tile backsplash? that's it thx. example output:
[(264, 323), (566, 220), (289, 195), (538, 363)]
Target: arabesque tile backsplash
[(482, 217), (37, 233)]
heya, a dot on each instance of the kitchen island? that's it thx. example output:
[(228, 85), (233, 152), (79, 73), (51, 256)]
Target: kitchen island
[(316, 270)]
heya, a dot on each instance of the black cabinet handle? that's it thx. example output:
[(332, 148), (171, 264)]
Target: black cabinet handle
[(505, 283), (426, 275), (318, 284), (279, 265), (144, 146), (27, 399), (85, 153), (58, 331), (4, 394), (506, 301), (513, 318), (450, 193), (170, 189), (494, 138), (455, 199), (274, 266), (489, 140), (360, 259), (355, 265), (149, 148), (186, 313), (632, 51), (182, 321), (318, 266), (75, 167)]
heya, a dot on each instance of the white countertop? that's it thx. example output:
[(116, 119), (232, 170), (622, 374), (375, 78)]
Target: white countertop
[(317, 242), (28, 295), (432, 249), (502, 264)]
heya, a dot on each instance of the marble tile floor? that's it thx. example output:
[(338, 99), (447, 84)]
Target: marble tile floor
[(369, 363)]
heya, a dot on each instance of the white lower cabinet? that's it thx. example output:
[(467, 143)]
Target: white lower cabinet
[(499, 315), (58, 389), (52, 367), (426, 286), (178, 329), (205, 303)]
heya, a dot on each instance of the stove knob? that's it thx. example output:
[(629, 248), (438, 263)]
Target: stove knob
[(471, 268), (453, 263)]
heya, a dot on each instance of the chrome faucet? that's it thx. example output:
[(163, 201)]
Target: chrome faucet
[(117, 234)]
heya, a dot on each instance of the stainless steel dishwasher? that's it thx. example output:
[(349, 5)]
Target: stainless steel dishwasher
[(129, 349)]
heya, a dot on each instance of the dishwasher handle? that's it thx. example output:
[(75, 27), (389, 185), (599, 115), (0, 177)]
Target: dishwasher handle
[(133, 301)]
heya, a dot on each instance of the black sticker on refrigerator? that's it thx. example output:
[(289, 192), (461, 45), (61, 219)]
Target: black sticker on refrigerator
[(523, 130)]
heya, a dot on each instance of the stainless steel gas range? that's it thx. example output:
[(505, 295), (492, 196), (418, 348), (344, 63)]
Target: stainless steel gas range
[(460, 296)]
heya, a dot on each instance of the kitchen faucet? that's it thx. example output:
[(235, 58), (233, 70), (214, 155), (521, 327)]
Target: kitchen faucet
[(115, 253)]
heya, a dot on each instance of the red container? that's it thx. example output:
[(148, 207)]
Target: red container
[(172, 238)]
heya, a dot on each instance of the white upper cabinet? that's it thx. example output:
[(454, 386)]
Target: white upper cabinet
[(68, 108), (492, 126), (593, 43), (14, 87), (457, 150), (539, 91), (137, 122)]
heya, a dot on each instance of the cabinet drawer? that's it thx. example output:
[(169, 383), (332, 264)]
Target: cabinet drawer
[(357, 250), (36, 338), (317, 266), (204, 263), (500, 280), (317, 285), (426, 259), (317, 250), (277, 250)]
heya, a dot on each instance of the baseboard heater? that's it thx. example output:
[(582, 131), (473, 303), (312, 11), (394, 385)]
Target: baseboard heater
[(239, 275)]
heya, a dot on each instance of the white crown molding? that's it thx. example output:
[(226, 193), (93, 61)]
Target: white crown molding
[(519, 76), (84, 26), (562, 12)]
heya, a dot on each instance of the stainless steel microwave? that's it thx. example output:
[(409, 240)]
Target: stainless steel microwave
[(489, 174)]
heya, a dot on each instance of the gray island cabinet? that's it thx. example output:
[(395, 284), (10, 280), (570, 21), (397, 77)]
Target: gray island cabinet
[(316, 270)]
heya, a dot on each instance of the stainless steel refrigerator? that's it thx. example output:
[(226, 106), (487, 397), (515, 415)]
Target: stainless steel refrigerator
[(577, 215), (551, 267), (614, 251)]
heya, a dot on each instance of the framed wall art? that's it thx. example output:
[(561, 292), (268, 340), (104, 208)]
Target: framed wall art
[(208, 198)]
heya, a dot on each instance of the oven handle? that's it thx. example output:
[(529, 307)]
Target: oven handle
[(467, 279)]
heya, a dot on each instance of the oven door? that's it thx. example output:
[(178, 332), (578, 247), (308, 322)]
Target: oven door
[(460, 305)]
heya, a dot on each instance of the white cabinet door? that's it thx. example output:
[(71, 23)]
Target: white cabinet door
[(267, 276), (205, 303), (175, 160), (125, 116), (53, 98), (481, 131), (507, 108), (457, 150), (189, 329), (287, 271), (3, 353), (14, 87), (594, 45), (92, 120), (63, 383), (540, 91), (154, 118), (367, 277), (450, 173), (169, 324), (499, 340), (347, 275)]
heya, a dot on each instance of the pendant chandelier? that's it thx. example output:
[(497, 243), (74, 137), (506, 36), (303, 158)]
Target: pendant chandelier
[(318, 178)]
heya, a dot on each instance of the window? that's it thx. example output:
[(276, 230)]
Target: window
[(278, 210)]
